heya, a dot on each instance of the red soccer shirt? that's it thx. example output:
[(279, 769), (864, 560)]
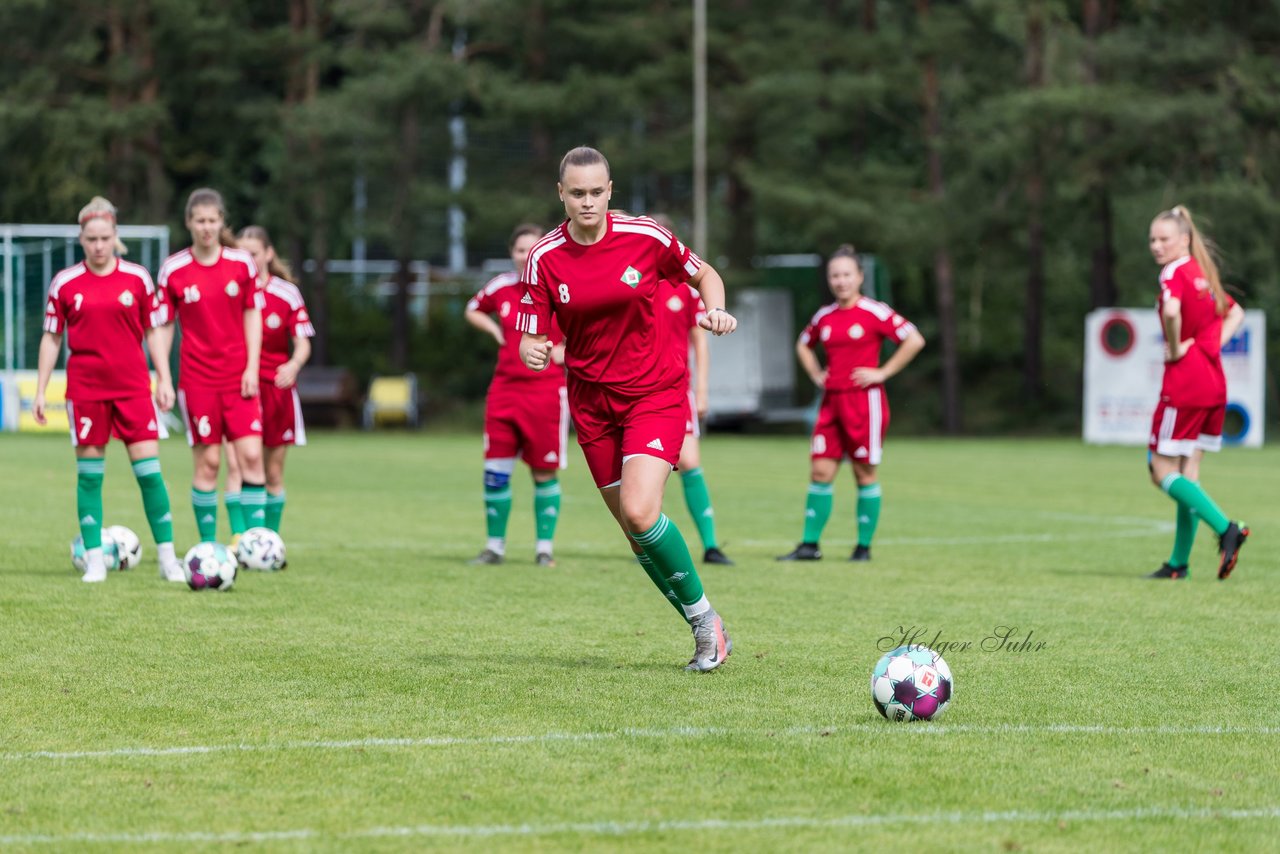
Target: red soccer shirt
[(606, 297), (284, 317), (105, 318), (685, 309), (852, 337), (210, 303), (501, 297), (1195, 380)]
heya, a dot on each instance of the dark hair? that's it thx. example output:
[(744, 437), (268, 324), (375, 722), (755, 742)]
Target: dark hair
[(207, 196), (1202, 249), (524, 228), (583, 155), (277, 265), (846, 250)]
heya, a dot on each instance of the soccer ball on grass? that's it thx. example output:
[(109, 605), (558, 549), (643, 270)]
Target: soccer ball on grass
[(128, 546), (261, 549), (911, 683), (209, 566), (109, 554)]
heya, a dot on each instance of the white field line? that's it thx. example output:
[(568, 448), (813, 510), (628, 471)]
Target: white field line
[(635, 828), (879, 728)]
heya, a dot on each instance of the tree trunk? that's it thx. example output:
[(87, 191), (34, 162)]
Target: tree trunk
[(943, 270), (158, 192), (1033, 307), (1098, 18)]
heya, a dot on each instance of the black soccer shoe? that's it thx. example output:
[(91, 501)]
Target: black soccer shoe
[(1229, 545), (1177, 573), (804, 551), (861, 553), (714, 555)]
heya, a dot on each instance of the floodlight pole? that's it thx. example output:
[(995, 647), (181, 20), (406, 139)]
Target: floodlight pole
[(700, 126)]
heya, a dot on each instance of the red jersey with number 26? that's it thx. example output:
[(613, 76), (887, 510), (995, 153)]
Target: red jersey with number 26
[(105, 318), (284, 317), (1195, 380), (606, 297), (501, 298), (852, 337), (210, 302)]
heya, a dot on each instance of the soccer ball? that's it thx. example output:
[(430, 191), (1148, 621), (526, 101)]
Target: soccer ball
[(109, 554), (261, 549), (911, 683), (209, 566), (128, 546)]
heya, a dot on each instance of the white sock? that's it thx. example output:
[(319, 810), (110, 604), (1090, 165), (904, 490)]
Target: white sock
[(497, 545), (702, 606), (95, 569), (166, 553), (543, 547)]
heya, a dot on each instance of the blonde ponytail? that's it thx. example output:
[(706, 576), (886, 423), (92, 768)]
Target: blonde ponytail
[(1203, 250), (277, 265), (100, 207)]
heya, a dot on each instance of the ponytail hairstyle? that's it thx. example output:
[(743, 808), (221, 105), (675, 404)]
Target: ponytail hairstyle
[(211, 198), (846, 250), (277, 265), (1202, 249), (521, 230), (101, 208)]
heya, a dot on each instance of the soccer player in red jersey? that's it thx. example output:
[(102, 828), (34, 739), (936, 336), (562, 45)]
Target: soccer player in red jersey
[(1199, 318), (286, 347), (855, 412), (603, 277), (525, 413), (213, 288), (106, 306)]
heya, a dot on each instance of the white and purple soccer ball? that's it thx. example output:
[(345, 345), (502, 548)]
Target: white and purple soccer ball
[(128, 545), (209, 566), (109, 555), (912, 683), (261, 549)]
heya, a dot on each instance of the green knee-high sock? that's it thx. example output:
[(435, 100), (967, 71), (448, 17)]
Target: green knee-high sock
[(155, 499), (868, 513), (275, 509), (698, 498), (235, 511), (1185, 537), (497, 507), (667, 549), (89, 475), (205, 504), (253, 500), (661, 583), (546, 508), (817, 510), (1189, 494)]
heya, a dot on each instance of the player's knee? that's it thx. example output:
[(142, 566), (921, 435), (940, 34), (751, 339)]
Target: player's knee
[(497, 472), (640, 516)]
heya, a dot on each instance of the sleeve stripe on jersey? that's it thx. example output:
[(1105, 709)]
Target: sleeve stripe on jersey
[(879, 309), (655, 231), (500, 281), (527, 323), (304, 330), (141, 272), (1167, 273), (173, 264), (65, 276), (822, 312), (243, 257), (286, 291), (693, 264), (160, 316), (551, 241), (51, 325)]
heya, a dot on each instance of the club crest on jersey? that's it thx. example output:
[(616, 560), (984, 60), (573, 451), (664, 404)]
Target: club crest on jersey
[(825, 334), (675, 303), (856, 331), (273, 321), (505, 310), (631, 277), (233, 289), (126, 299)]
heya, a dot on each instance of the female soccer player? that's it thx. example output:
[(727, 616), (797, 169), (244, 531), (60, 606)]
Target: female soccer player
[(286, 347), (525, 413), (1198, 318), (107, 306), (855, 412), (213, 286), (602, 277)]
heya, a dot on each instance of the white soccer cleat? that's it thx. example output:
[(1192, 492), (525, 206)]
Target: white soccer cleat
[(171, 570), (95, 574), (711, 642)]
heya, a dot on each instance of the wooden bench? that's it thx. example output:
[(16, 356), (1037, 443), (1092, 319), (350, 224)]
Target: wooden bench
[(329, 396)]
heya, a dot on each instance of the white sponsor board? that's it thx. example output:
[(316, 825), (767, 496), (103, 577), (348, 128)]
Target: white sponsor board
[(1124, 363)]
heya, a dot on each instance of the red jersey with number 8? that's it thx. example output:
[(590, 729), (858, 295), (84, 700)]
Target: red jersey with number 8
[(210, 302), (105, 318)]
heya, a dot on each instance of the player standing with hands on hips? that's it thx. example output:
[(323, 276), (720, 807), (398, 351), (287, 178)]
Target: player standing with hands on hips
[(601, 275), (107, 306), (1199, 318), (855, 410)]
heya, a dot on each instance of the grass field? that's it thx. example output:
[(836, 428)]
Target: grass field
[(381, 695)]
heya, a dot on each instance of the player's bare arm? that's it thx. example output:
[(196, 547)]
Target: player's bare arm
[(535, 351), (1171, 316), (1231, 323), (717, 321), (485, 324), (158, 346), (50, 347), (907, 350), (809, 361), (253, 344), (287, 374)]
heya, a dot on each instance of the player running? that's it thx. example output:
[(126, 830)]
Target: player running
[(1199, 318), (213, 287), (286, 347), (604, 277), (525, 413), (106, 306), (854, 414)]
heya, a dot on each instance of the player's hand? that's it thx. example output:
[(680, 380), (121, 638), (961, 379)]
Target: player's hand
[(497, 336), (1174, 352), (820, 378), (867, 377), (286, 375), (557, 354), (164, 395), (718, 322), (249, 384), (537, 356), (37, 409)]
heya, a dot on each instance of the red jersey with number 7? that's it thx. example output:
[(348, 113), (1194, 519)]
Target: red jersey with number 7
[(105, 318), (210, 302), (606, 298)]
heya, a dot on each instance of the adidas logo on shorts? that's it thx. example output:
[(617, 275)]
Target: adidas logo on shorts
[(656, 444), (550, 457)]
